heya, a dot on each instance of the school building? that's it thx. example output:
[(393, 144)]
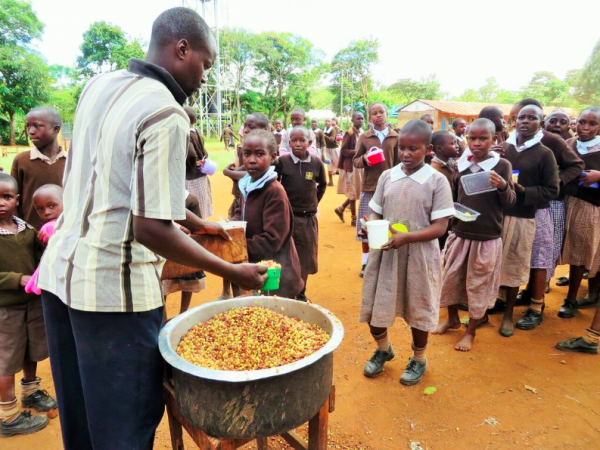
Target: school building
[(445, 112)]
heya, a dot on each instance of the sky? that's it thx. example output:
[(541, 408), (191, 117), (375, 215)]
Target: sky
[(462, 42)]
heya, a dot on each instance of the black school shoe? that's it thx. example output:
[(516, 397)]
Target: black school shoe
[(413, 373), (531, 320), (40, 400), (374, 366), (567, 310), (498, 307), (577, 345), (523, 298), (562, 281), (25, 423)]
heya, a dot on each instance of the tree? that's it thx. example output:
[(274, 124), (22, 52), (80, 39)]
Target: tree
[(19, 24), (490, 92), (24, 83), (547, 88), (351, 70), (105, 48), (286, 66), (322, 98), (587, 84), (238, 51), (409, 90)]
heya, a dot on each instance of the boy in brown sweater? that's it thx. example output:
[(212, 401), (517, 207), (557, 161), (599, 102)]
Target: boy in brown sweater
[(346, 183), (445, 151), (43, 164), (380, 137), (303, 178), (22, 333)]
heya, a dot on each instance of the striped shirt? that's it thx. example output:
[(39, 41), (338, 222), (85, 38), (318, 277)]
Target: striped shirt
[(127, 158)]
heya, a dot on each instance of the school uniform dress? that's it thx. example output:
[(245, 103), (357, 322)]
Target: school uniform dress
[(270, 229), (387, 140), (346, 186), (196, 182), (582, 234), (32, 169), (472, 257), (305, 183), (406, 282), (101, 289), (538, 174), (331, 147), (319, 142)]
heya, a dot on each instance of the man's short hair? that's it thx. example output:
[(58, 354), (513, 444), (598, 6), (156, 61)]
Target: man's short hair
[(179, 23)]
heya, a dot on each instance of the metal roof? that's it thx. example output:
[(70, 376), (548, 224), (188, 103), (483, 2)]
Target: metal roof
[(466, 108)]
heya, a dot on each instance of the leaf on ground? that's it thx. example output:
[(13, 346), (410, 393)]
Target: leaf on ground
[(414, 445), (430, 390), (531, 389), (492, 421)]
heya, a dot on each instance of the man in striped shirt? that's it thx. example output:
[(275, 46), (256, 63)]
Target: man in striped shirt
[(100, 276)]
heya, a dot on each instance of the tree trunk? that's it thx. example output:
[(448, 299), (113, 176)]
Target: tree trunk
[(12, 140)]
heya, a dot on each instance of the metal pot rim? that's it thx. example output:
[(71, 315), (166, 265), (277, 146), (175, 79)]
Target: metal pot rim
[(170, 355)]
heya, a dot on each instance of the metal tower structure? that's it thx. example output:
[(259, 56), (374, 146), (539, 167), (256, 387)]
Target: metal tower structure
[(209, 102)]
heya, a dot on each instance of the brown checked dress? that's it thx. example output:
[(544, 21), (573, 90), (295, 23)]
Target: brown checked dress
[(406, 282)]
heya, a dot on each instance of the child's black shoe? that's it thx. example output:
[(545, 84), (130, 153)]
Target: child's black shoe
[(413, 373), (374, 366), (530, 320), (26, 423), (40, 400), (567, 310), (362, 271), (577, 345)]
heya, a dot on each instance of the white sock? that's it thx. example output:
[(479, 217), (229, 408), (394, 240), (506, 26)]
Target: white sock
[(365, 256)]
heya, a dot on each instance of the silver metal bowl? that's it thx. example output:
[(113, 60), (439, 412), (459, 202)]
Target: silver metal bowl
[(257, 403)]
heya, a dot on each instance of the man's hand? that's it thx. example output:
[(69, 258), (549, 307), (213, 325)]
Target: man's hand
[(497, 181), (249, 276), (24, 280)]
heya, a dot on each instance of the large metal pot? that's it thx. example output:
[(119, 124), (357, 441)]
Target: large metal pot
[(258, 403)]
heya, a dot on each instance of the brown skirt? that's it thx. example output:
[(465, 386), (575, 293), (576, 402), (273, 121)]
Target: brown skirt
[(517, 241), (306, 238), (345, 185), (471, 272), (582, 235)]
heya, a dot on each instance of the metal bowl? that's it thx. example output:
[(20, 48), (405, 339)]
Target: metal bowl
[(256, 403)]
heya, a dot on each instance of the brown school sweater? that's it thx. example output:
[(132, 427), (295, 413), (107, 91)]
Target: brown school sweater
[(372, 173), (444, 169), (592, 162), (21, 255), (329, 138), (269, 234), (304, 183), (319, 138), (196, 152), (490, 205), (538, 174), (348, 150), (30, 175), (569, 163)]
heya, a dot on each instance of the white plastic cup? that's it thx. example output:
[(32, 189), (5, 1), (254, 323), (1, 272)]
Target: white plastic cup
[(209, 167), (378, 233)]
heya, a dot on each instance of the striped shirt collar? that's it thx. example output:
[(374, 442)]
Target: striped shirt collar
[(149, 70), (21, 226)]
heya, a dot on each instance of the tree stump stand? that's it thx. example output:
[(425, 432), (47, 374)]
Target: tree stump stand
[(317, 428)]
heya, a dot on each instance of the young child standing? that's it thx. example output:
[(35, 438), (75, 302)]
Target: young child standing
[(558, 122), (196, 182), (402, 279), (496, 115), (303, 178), (297, 119), (582, 235), (473, 253), (459, 128), (331, 148), (319, 143), (446, 151), (266, 209), (429, 119), (22, 332), (537, 183), (43, 164), (278, 132), (346, 186), (228, 137), (378, 136)]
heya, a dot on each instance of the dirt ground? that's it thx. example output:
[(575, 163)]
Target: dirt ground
[(481, 400)]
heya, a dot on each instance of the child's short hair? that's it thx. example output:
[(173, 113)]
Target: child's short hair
[(592, 109), (261, 120), (50, 188), (486, 123), (427, 116), (49, 112), (420, 128), (302, 128), (375, 104), (455, 122), (270, 141), (438, 137), (6, 178), (298, 110), (490, 111), (528, 102)]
